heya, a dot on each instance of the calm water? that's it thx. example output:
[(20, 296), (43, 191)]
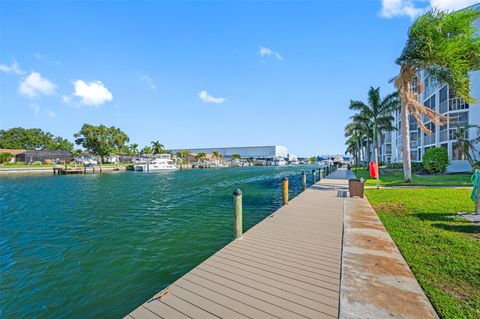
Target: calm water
[(98, 246)]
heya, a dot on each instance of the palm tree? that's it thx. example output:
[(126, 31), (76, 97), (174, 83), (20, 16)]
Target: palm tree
[(354, 135), (157, 147), (377, 115), (147, 150), (444, 45), (216, 155), (200, 156), (466, 147), (133, 149)]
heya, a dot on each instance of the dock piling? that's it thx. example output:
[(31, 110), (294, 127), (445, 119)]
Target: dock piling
[(304, 180), (285, 190), (237, 213)]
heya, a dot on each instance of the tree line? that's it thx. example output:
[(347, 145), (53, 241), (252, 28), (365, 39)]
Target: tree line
[(445, 46), (98, 140)]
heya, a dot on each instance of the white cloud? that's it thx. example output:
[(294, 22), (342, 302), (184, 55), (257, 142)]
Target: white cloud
[(394, 8), (14, 68), (264, 52), (452, 4), (149, 81), (205, 97), (90, 93), (34, 84)]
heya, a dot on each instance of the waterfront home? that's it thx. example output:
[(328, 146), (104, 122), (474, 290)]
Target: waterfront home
[(14, 153), (43, 156)]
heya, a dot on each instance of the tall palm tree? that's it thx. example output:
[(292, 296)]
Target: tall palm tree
[(444, 45), (157, 147), (354, 140), (147, 150), (133, 149), (377, 114)]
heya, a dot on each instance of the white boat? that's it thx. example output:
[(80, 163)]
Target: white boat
[(294, 162), (279, 161), (160, 162)]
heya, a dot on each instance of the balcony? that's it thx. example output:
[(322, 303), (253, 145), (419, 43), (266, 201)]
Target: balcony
[(429, 139)]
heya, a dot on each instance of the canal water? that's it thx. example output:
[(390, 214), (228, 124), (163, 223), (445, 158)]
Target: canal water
[(98, 246)]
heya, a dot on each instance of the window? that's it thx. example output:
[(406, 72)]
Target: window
[(458, 119), (429, 138), (443, 99)]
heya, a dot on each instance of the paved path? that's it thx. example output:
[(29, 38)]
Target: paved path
[(376, 280), (287, 266)]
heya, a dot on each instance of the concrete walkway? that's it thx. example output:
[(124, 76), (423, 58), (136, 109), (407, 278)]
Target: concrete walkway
[(290, 265)]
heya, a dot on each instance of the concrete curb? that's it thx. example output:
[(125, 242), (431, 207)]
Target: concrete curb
[(376, 280)]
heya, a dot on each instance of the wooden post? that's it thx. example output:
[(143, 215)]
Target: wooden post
[(304, 180), (237, 213), (319, 174), (313, 175), (65, 167), (285, 190)]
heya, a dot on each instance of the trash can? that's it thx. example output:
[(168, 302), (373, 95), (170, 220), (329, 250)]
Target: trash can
[(356, 187)]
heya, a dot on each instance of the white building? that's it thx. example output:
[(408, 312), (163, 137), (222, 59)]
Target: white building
[(438, 97), (244, 151)]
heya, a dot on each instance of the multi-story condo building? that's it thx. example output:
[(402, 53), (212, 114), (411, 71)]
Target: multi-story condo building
[(440, 98)]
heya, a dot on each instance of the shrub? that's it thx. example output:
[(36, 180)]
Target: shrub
[(48, 162), (37, 163), (5, 158), (435, 160), (476, 165)]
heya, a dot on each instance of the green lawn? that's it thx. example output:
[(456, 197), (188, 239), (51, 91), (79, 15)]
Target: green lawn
[(394, 177), (442, 250)]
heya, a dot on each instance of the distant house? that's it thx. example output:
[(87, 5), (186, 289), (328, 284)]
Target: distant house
[(13, 152), (30, 156)]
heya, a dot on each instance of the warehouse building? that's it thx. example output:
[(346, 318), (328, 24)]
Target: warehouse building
[(244, 151)]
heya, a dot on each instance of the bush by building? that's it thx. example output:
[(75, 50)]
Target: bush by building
[(435, 160)]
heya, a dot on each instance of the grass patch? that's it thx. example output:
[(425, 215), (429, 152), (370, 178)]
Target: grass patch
[(442, 249), (394, 177)]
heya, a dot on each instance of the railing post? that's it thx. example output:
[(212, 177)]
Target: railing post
[(237, 213), (313, 175), (285, 190), (304, 180), (319, 174)]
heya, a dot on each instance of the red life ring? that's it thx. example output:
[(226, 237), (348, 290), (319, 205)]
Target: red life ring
[(373, 170)]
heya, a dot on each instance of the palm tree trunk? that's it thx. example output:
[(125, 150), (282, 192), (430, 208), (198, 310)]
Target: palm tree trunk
[(375, 142), (407, 161)]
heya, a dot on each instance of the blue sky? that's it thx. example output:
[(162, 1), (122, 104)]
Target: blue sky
[(199, 74)]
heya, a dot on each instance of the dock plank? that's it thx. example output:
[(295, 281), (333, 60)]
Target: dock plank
[(286, 266)]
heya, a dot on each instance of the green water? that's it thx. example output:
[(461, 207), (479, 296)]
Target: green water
[(98, 246)]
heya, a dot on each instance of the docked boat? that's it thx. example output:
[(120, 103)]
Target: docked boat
[(294, 162), (161, 162), (279, 161)]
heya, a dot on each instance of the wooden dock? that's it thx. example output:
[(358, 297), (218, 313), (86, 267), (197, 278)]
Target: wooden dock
[(287, 266)]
